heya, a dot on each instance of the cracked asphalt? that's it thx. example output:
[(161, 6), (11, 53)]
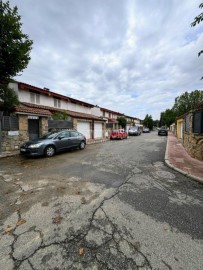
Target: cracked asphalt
[(114, 205)]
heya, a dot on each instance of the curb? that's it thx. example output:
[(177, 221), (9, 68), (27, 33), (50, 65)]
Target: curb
[(16, 153), (166, 160), (9, 154)]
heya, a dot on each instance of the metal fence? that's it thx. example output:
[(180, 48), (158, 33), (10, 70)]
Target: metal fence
[(9, 123), (59, 124)]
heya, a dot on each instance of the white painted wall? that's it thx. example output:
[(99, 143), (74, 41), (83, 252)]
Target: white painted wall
[(98, 130), (127, 127), (24, 96), (96, 111), (78, 108)]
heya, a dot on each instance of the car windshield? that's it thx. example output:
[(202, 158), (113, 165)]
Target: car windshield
[(49, 135), (133, 128)]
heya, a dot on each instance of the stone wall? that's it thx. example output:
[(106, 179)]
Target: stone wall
[(192, 142), (43, 125), (12, 140)]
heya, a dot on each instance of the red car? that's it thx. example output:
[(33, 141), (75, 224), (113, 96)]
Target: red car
[(118, 134)]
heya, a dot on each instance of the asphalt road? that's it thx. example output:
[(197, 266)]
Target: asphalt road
[(114, 205)]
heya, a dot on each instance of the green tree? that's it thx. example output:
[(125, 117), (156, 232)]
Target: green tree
[(148, 121), (9, 99), (167, 118), (198, 19), (60, 116), (187, 101), (15, 46), (122, 121), (156, 123)]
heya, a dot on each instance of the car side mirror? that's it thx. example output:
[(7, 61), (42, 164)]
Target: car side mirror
[(60, 137)]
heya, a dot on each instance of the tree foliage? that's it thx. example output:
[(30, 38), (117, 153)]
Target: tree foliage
[(198, 19), (167, 118), (122, 121), (60, 116), (148, 121), (15, 46), (9, 99), (187, 101)]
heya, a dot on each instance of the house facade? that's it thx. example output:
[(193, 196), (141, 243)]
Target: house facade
[(132, 121), (34, 117)]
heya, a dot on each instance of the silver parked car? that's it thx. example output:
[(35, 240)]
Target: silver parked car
[(146, 130), (53, 142), (135, 130)]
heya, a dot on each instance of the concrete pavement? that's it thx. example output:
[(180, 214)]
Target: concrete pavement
[(177, 158)]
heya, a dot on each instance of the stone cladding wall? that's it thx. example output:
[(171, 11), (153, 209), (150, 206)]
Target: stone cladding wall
[(192, 142), (13, 142)]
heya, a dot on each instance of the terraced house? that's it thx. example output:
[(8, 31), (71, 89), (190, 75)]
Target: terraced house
[(34, 116), (39, 107)]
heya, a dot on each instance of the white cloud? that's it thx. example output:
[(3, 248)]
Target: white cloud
[(129, 56)]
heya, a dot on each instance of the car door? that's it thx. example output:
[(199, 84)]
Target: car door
[(75, 138), (63, 141)]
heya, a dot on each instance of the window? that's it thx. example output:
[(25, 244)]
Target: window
[(187, 123), (64, 134), (10, 123), (34, 98), (57, 103), (198, 122), (74, 134)]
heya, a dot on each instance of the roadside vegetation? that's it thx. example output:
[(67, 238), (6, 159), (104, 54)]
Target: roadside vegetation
[(15, 48), (183, 104)]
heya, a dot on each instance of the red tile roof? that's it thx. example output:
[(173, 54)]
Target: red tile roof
[(47, 92), (46, 110), (107, 110), (24, 109)]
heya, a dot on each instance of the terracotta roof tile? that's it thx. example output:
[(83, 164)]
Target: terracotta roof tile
[(46, 91), (70, 113), (24, 109)]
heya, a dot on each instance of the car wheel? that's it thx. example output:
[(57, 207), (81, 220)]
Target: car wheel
[(82, 145), (50, 151)]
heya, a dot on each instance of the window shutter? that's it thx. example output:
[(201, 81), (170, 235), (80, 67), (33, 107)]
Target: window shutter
[(10, 123)]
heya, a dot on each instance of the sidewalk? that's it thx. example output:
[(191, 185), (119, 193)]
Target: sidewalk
[(178, 159)]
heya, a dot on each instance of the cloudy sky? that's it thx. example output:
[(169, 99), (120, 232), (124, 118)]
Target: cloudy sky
[(131, 56)]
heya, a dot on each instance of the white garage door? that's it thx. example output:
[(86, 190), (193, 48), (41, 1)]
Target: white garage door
[(127, 127), (84, 128), (98, 132)]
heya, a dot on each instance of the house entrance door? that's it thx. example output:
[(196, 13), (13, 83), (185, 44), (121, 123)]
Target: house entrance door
[(33, 129)]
